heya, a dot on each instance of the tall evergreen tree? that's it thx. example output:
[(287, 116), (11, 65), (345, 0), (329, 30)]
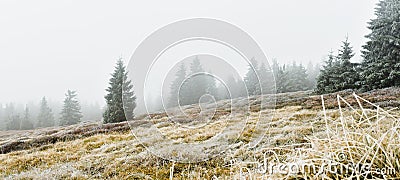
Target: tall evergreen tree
[(71, 111), (381, 63), (266, 79), (121, 100), (339, 73), (252, 79), (177, 91), (282, 79), (327, 77), (26, 122), (345, 70), (197, 85), (297, 78), (45, 117)]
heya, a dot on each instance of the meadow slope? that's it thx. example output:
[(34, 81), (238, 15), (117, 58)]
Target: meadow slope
[(353, 130)]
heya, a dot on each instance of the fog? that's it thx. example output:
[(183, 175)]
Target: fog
[(48, 47)]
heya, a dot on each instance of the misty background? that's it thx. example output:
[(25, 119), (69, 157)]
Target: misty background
[(49, 47)]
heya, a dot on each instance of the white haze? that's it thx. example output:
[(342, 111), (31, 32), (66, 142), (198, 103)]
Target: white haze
[(47, 47)]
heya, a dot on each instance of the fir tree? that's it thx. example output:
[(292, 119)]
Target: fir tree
[(26, 122), (381, 63), (345, 70), (282, 79), (326, 79), (120, 99), (339, 73), (45, 117), (297, 78), (197, 85), (266, 79), (177, 91), (252, 80), (71, 111)]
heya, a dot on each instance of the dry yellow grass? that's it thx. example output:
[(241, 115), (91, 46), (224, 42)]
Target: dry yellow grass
[(355, 135)]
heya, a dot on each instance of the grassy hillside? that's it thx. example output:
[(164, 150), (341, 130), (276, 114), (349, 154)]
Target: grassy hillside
[(352, 131)]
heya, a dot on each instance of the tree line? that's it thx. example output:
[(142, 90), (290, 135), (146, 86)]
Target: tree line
[(189, 85), (380, 66), (30, 116), (121, 102)]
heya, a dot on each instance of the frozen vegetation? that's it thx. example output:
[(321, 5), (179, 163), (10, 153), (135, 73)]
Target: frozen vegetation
[(352, 130)]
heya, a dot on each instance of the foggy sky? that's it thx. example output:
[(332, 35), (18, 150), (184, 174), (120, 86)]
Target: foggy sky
[(47, 47)]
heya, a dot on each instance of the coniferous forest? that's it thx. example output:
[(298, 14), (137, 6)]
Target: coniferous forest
[(200, 98), (379, 68)]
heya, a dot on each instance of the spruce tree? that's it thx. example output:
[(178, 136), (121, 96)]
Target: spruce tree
[(381, 63), (121, 100), (282, 79), (71, 111), (347, 76), (266, 79), (177, 90), (196, 84), (252, 79), (45, 117), (297, 78), (339, 73), (327, 78), (26, 122)]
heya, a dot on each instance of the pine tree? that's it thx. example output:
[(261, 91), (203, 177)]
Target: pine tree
[(326, 79), (71, 111), (266, 79), (45, 117), (197, 85), (381, 63), (297, 78), (345, 70), (121, 100), (282, 79), (177, 92), (26, 122), (251, 79), (339, 73)]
